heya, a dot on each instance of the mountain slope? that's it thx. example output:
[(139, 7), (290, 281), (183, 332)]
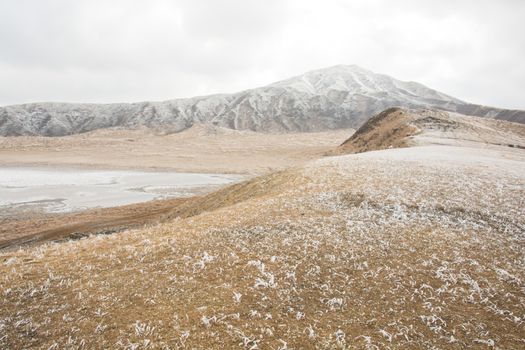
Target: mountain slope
[(331, 98), (397, 127)]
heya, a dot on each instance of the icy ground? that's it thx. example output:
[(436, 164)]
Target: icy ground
[(68, 189)]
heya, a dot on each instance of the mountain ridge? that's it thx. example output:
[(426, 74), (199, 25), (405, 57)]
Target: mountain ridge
[(342, 96), (397, 127)]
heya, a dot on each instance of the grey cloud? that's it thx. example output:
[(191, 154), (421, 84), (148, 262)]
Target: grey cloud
[(109, 51)]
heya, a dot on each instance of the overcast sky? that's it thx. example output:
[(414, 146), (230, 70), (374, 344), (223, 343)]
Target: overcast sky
[(136, 50)]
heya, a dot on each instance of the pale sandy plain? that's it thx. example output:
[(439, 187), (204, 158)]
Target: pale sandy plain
[(202, 149)]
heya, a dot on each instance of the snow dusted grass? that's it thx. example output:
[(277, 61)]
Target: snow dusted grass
[(392, 249)]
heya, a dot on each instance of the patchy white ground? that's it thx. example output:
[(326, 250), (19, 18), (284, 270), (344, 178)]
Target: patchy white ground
[(68, 189), (418, 248)]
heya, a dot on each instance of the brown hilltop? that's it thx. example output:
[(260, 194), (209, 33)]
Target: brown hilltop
[(397, 127)]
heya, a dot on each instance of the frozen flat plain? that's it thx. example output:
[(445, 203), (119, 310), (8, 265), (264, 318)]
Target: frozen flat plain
[(69, 189)]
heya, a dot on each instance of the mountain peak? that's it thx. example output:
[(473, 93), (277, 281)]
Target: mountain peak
[(357, 80)]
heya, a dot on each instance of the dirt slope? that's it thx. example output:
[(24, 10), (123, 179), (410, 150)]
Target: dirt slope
[(22, 230), (410, 248)]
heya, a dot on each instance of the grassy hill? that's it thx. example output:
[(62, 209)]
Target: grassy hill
[(407, 248)]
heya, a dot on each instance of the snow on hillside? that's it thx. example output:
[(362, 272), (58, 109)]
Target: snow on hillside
[(330, 98)]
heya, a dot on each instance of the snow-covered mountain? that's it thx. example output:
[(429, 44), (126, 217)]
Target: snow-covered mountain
[(330, 98)]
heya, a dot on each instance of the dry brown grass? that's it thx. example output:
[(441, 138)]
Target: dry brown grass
[(389, 129), (403, 249)]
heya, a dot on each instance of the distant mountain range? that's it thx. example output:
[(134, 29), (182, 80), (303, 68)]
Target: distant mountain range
[(330, 98)]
